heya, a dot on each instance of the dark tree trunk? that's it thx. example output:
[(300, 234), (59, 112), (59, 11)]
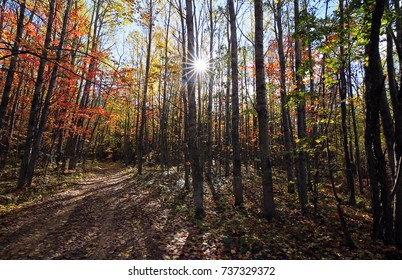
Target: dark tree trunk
[(210, 92), (227, 113), (28, 160), (198, 194), (46, 106), (261, 107), (237, 184), (164, 117), (184, 99), (396, 99), (343, 95), (374, 81)]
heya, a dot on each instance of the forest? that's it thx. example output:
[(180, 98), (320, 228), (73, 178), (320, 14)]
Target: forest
[(201, 129)]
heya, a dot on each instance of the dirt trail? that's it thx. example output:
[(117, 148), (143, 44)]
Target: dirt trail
[(107, 216)]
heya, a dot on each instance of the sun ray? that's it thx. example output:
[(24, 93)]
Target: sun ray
[(198, 66)]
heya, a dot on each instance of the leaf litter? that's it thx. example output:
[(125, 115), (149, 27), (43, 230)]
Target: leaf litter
[(116, 214)]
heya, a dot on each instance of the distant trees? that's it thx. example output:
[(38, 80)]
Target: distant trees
[(301, 158), (144, 102), (46, 74)]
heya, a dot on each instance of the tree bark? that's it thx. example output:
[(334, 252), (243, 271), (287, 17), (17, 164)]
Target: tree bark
[(210, 91), (261, 107), (28, 160), (46, 106), (237, 181), (374, 81), (198, 194), (164, 117)]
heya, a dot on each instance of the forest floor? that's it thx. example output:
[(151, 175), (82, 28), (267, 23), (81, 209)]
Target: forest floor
[(115, 214)]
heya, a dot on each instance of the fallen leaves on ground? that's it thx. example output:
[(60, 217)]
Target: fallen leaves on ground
[(116, 214)]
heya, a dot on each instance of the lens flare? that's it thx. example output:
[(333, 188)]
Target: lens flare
[(200, 65)]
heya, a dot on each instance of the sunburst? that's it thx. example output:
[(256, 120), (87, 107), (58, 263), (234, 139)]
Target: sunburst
[(198, 66)]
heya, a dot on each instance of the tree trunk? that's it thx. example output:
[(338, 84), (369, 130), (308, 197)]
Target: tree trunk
[(164, 117), (28, 160), (210, 92), (261, 107), (375, 157), (227, 113), (46, 106), (396, 98), (237, 184), (198, 194)]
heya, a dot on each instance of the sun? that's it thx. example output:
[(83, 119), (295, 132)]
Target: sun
[(200, 65)]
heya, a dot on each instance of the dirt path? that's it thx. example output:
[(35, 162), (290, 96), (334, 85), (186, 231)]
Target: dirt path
[(108, 216), (116, 215)]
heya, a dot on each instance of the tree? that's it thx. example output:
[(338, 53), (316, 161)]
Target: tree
[(261, 108), (210, 90), (29, 159), (164, 117), (192, 117), (396, 100), (376, 163), (237, 184)]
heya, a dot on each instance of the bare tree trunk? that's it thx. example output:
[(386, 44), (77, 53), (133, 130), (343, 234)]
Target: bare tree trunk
[(164, 117), (210, 92), (184, 98), (375, 157), (46, 106), (237, 184), (28, 160), (227, 113), (261, 107), (396, 98), (198, 194)]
